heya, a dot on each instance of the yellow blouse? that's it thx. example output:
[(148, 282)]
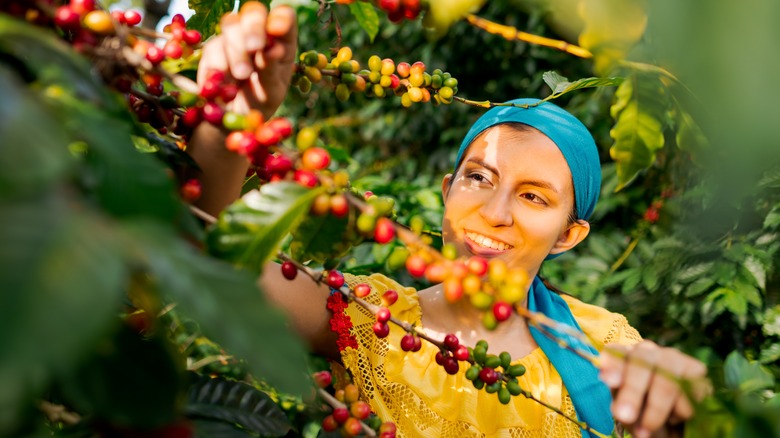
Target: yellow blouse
[(415, 393)]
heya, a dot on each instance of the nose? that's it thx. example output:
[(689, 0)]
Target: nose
[(496, 210)]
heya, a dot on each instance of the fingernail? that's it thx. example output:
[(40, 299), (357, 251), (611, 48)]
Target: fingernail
[(641, 433), (242, 71), (254, 44), (625, 413), (610, 378)]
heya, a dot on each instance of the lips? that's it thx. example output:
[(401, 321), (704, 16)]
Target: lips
[(482, 243)]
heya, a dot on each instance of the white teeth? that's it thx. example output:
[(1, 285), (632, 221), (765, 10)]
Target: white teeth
[(488, 242)]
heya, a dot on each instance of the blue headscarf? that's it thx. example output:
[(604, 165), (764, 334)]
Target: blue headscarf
[(590, 396)]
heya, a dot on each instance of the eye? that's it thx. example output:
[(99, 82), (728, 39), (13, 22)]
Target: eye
[(477, 177), (536, 199)]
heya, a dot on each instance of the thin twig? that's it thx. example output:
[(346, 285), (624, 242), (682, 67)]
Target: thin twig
[(335, 404), (211, 220), (511, 33), (58, 413)]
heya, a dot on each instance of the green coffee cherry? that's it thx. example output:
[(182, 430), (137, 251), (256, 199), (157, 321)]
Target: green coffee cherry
[(506, 359), (492, 361), (514, 387), (478, 384), (516, 370), (504, 396), (493, 387), (473, 372)]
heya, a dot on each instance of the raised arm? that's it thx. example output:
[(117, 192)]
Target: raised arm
[(257, 48)]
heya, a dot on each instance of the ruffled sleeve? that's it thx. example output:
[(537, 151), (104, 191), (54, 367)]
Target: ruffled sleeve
[(602, 326)]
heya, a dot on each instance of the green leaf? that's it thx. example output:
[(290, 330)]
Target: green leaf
[(146, 371), (249, 231), (366, 16), (770, 354), (207, 15), (561, 85), (772, 219), (226, 303), (638, 133), (744, 377), (32, 155), (218, 429), (236, 403), (771, 325), (319, 238), (63, 279), (689, 135)]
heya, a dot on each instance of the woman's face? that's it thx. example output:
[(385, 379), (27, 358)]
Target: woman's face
[(510, 199)]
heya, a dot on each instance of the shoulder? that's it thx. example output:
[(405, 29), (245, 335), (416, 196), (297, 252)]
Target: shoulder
[(600, 325)]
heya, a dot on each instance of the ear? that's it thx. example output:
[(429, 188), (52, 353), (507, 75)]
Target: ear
[(445, 186), (571, 236)]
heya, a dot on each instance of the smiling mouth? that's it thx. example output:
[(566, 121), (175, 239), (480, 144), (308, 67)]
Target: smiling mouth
[(487, 242)]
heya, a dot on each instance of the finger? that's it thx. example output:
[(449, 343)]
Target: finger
[(253, 16), (282, 26), (663, 393), (636, 378), (212, 58), (235, 47), (612, 366)]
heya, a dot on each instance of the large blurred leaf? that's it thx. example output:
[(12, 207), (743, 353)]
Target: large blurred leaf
[(639, 108), (236, 403), (32, 155), (745, 377), (249, 231), (611, 28), (62, 278), (226, 303), (125, 182), (129, 381), (207, 15), (319, 238)]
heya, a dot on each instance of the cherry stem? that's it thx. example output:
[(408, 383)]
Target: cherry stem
[(335, 404)]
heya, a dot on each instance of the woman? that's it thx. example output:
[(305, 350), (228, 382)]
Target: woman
[(525, 183)]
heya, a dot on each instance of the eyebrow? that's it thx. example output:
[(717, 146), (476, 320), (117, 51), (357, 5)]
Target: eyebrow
[(533, 182)]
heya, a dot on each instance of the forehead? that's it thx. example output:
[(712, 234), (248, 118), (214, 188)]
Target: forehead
[(522, 152)]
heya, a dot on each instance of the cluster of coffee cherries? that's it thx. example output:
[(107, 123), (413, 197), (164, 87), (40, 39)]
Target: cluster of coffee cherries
[(382, 78), (397, 10), (351, 414), (490, 285), (484, 372), (181, 43)]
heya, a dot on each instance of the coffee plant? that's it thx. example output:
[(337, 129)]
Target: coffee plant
[(128, 311)]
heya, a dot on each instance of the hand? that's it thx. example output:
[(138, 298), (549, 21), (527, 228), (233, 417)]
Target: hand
[(257, 48), (644, 381)]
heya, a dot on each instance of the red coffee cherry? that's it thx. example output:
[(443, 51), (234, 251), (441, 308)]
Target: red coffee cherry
[(329, 424), (502, 310), (461, 353), (360, 410), (67, 19), (335, 279), (352, 427), (191, 37), (488, 375), (315, 158), (306, 178), (155, 55), (191, 190), (323, 379), (362, 290), (289, 270), (416, 265), (339, 206), (132, 17), (381, 329), (407, 342), (340, 415), (389, 298), (450, 365), (384, 231), (383, 314), (451, 342)]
